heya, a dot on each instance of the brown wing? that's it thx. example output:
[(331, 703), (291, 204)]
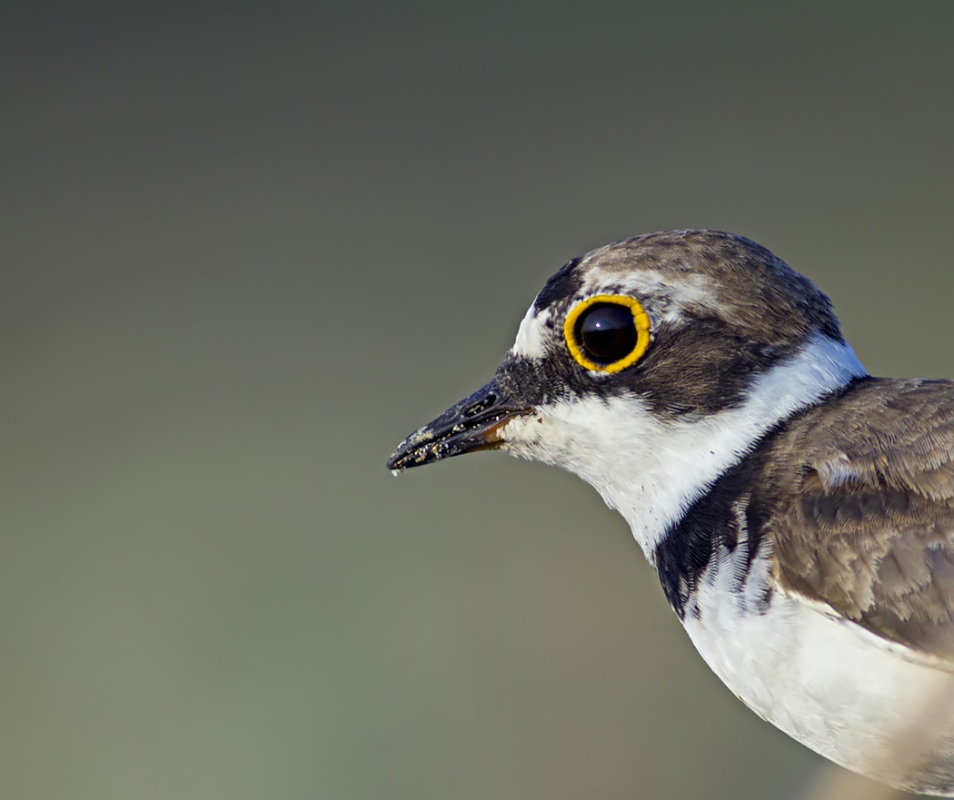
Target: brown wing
[(864, 511)]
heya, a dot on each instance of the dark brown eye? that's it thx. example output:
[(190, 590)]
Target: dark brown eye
[(607, 332)]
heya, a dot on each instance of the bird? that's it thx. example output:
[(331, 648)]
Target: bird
[(798, 512)]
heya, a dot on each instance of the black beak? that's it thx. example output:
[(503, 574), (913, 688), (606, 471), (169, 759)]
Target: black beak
[(473, 424)]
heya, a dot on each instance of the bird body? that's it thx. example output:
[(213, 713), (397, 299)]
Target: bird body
[(817, 586), (799, 513)]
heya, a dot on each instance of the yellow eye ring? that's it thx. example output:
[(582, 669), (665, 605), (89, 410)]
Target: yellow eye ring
[(633, 347)]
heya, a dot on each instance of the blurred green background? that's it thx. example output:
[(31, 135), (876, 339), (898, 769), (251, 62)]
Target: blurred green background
[(247, 247)]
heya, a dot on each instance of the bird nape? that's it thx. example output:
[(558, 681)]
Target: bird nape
[(799, 513)]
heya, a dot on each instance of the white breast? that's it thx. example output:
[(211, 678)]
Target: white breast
[(828, 683)]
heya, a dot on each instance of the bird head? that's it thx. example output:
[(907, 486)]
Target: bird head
[(647, 367)]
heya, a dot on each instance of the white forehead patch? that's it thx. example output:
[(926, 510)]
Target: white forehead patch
[(531, 335)]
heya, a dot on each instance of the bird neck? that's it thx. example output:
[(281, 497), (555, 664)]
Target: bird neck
[(652, 470)]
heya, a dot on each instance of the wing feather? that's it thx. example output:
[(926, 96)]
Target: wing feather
[(864, 514)]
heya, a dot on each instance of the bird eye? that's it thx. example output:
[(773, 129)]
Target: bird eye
[(607, 333)]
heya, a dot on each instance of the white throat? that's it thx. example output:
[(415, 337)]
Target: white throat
[(652, 470)]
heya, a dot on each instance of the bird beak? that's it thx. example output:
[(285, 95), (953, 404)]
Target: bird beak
[(473, 424)]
